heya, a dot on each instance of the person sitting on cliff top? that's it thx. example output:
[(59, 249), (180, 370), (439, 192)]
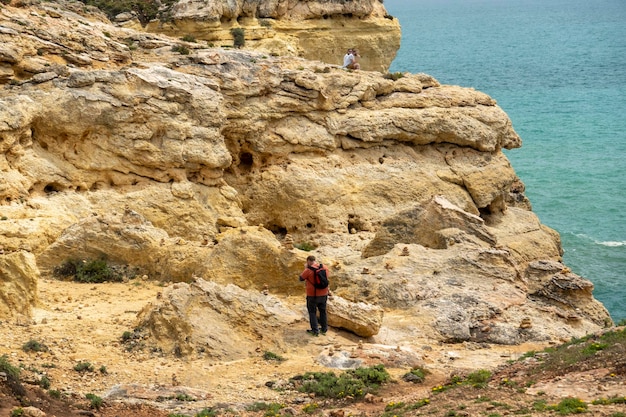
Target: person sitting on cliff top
[(348, 59), (355, 60)]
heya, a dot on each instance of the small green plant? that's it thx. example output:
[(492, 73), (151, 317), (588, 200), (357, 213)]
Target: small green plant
[(618, 414), (394, 76), (44, 382), (271, 356), (181, 49), (352, 383), (17, 412), (266, 23), (540, 405), (54, 393), (107, 34), (611, 400), (207, 412), (34, 346), (570, 405), (416, 375), (83, 367), (310, 408), (103, 370), (8, 369), (87, 271), (184, 397), (394, 406), (305, 246), (479, 379), (95, 401), (188, 38), (271, 409), (4, 218), (594, 347), (239, 37)]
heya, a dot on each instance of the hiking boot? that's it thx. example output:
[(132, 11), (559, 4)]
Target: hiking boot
[(323, 332), (313, 332)]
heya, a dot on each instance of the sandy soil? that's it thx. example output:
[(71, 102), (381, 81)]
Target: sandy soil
[(85, 323)]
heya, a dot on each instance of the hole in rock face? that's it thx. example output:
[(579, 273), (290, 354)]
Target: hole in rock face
[(309, 226), (246, 161), (484, 211), (53, 187), (279, 231)]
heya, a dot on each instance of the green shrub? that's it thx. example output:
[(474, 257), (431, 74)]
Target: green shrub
[(594, 347), (393, 76), (83, 367), (54, 393), (184, 397), (188, 38), (181, 49), (34, 346), (416, 375), (479, 379), (239, 37), (44, 382), (611, 400), (266, 23), (353, 383), (570, 406), (17, 412), (310, 408), (271, 356), (207, 412), (95, 401), (146, 10), (271, 409), (305, 246), (87, 271), (10, 370)]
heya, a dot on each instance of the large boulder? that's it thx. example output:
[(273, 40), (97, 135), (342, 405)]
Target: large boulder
[(222, 322), (360, 318)]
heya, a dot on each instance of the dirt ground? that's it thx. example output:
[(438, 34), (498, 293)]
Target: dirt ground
[(84, 323)]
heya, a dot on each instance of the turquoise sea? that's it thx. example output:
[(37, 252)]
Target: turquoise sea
[(558, 68)]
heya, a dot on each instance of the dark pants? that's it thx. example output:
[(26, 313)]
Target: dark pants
[(312, 305)]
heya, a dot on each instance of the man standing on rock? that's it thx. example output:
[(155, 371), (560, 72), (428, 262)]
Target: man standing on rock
[(315, 297)]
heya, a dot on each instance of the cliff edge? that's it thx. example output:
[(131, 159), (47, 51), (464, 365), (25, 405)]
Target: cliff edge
[(315, 30)]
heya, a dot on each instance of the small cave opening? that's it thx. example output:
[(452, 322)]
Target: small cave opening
[(52, 187), (484, 212), (246, 161), (310, 226), (279, 231)]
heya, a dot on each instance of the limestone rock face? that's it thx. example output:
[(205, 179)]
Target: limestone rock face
[(18, 284), (222, 322), (225, 165), (315, 30)]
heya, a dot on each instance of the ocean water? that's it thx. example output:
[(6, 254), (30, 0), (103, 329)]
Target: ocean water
[(558, 68)]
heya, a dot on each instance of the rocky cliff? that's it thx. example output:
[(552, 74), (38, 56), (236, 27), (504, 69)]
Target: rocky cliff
[(206, 168), (315, 30)]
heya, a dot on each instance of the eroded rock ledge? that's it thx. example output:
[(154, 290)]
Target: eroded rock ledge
[(211, 165)]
